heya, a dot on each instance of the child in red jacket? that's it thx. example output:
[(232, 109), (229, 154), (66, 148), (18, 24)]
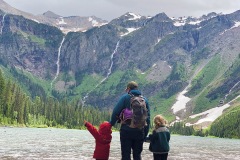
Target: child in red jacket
[(103, 139)]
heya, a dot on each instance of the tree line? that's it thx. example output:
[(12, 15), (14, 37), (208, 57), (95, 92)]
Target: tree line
[(182, 129), (227, 126), (18, 109)]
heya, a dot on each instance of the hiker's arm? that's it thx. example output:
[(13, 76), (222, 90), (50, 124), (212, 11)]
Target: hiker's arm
[(146, 129), (92, 130), (117, 110), (152, 137), (168, 136)]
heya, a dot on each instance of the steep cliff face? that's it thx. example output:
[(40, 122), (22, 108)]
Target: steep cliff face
[(90, 51), (29, 45), (139, 45)]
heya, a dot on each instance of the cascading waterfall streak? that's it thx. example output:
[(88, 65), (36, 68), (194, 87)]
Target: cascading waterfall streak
[(109, 72), (58, 61)]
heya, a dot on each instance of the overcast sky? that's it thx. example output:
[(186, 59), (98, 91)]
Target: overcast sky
[(111, 9)]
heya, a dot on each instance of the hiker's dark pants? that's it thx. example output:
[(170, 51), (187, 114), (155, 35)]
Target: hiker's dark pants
[(160, 156), (131, 139)]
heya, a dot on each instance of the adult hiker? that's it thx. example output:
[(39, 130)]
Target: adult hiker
[(132, 135)]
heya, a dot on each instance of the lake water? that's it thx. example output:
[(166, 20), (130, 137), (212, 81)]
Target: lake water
[(69, 144)]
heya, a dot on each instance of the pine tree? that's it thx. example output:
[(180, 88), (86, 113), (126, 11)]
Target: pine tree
[(2, 88)]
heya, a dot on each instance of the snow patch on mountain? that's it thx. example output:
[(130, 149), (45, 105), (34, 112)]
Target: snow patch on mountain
[(35, 20), (158, 40), (181, 102), (195, 22), (135, 16), (237, 24), (61, 21), (94, 22), (179, 22), (182, 21), (129, 31), (211, 114)]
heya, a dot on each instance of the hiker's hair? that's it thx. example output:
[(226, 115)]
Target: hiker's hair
[(132, 85), (159, 121)]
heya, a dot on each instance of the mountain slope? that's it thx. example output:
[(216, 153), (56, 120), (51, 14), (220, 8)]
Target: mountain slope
[(227, 126), (164, 55)]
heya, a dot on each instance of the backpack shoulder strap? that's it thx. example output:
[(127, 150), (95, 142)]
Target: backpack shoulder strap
[(130, 94)]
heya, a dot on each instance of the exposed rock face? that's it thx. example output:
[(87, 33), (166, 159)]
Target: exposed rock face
[(158, 47), (29, 45), (50, 14), (90, 51)]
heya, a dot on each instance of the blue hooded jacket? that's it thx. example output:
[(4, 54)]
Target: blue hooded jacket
[(123, 103)]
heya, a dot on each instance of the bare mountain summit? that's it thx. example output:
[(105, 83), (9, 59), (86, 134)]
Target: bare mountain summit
[(6, 8), (50, 14), (65, 24)]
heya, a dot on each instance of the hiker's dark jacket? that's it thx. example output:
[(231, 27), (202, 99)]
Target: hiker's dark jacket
[(159, 140), (123, 103)]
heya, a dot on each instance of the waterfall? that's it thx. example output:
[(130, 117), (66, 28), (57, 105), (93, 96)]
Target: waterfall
[(3, 22), (110, 68), (109, 72), (58, 61), (231, 89)]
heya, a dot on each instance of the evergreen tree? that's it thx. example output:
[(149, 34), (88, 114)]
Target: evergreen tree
[(2, 88), (19, 109), (227, 125)]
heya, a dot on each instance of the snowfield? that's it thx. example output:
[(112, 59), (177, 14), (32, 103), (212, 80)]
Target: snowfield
[(207, 116)]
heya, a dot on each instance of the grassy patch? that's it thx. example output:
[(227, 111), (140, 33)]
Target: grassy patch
[(46, 85), (192, 120), (206, 76), (88, 83), (109, 85), (162, 106), (202, 103), (36, 39), (33, 79), (33, 38)]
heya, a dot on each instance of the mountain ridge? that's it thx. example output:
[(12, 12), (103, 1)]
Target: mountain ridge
[(159, 52), (65, 24)]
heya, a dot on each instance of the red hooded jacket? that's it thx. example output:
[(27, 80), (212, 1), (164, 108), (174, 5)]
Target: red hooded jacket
[(103, 139)]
